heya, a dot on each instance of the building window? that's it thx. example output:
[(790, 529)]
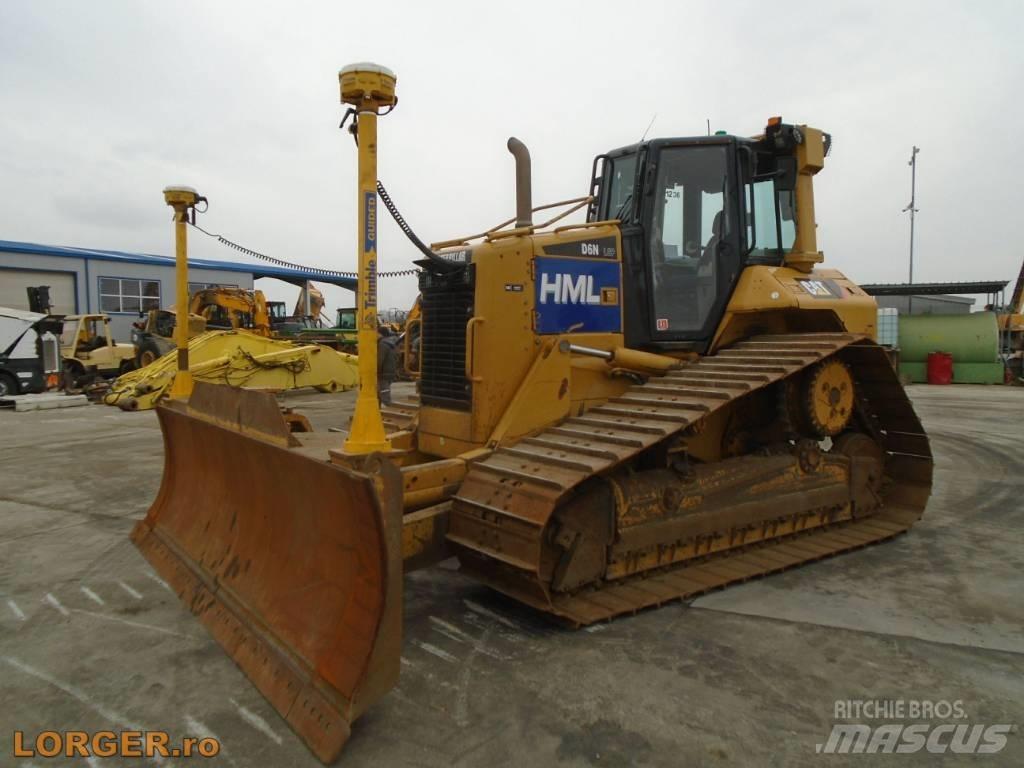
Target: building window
[(125, 294), (194, 288)]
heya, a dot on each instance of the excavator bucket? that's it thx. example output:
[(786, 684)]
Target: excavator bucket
[(292, 563)]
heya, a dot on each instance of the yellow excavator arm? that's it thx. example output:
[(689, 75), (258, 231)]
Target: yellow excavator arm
[(310, 302), (1013, 320)]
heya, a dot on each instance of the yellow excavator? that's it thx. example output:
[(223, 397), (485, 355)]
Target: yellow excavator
[(241, 309), (233, 308), (665, 399)]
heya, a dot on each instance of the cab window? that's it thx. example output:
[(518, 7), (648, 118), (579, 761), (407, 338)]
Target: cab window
[(622, 176), (763, 225)]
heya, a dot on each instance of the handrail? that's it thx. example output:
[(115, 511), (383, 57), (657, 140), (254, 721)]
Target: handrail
[(471, 347), (577, 202), (406, 347)]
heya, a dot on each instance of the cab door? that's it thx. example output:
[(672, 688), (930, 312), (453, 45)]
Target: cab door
[(693, 244)]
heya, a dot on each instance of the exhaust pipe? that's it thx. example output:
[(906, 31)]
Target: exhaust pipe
[(524, 184)]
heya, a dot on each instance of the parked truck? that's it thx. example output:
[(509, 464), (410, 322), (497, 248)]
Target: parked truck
[(29, 352)]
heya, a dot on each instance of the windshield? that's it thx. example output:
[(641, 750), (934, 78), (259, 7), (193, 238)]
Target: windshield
[(687, 229), (67, 335), (347, 319), (78, 332)]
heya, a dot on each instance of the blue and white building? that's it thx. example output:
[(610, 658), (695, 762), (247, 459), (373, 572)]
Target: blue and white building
[(122, 284)]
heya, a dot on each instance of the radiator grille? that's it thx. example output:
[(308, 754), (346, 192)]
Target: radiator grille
[(447, 305)]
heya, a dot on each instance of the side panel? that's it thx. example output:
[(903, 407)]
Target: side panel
[(577, 296), (500, 340), (26, 371), (823, 299)]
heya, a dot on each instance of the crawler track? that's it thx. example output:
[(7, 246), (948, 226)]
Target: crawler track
[(502, 510), (400, 415)]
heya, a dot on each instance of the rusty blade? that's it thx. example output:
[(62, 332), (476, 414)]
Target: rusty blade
[(292, 564)]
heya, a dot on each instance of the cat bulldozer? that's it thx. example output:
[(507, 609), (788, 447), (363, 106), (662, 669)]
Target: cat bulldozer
[(667, 398)]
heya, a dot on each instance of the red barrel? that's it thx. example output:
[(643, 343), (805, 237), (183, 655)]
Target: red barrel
[(940, 368)]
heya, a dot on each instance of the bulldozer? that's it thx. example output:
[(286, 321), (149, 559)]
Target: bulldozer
[(667, 398)]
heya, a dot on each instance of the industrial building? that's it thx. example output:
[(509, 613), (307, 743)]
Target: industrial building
[(122, 284), (941, 304), (935, 298)]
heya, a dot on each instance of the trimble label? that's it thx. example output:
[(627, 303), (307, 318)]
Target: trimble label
[(369, 221), (370, 279)]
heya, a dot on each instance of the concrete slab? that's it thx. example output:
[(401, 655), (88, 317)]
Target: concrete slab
[(90, 638), (44, 401)]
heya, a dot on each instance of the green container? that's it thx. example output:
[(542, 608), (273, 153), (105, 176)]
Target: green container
[(972, 340)]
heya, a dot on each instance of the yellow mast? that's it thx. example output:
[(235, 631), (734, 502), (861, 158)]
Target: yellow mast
[(368, 88), (181, 199)]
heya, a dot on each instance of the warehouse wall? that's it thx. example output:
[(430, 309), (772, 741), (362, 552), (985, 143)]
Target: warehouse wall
[(56, 266), (86, 275)]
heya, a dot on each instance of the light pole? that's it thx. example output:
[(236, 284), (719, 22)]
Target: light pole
[(911, 207)]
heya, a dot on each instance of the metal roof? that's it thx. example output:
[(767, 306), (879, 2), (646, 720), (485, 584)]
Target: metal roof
[(933, 289), (20, 314), (288, 274)]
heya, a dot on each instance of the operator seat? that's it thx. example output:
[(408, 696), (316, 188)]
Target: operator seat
[(716, 237)]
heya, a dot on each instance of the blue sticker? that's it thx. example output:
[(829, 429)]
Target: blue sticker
[(369, 221), (577, 296)]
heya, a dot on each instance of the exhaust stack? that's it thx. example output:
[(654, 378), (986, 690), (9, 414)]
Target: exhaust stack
[(524, 183)]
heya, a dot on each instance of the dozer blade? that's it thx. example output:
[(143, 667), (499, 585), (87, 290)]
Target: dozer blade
[(292, 563)]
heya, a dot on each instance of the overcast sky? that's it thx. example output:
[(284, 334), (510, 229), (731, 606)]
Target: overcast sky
[(105, 103)]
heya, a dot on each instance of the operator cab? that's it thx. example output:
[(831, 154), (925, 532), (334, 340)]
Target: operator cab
[(693, 213)]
